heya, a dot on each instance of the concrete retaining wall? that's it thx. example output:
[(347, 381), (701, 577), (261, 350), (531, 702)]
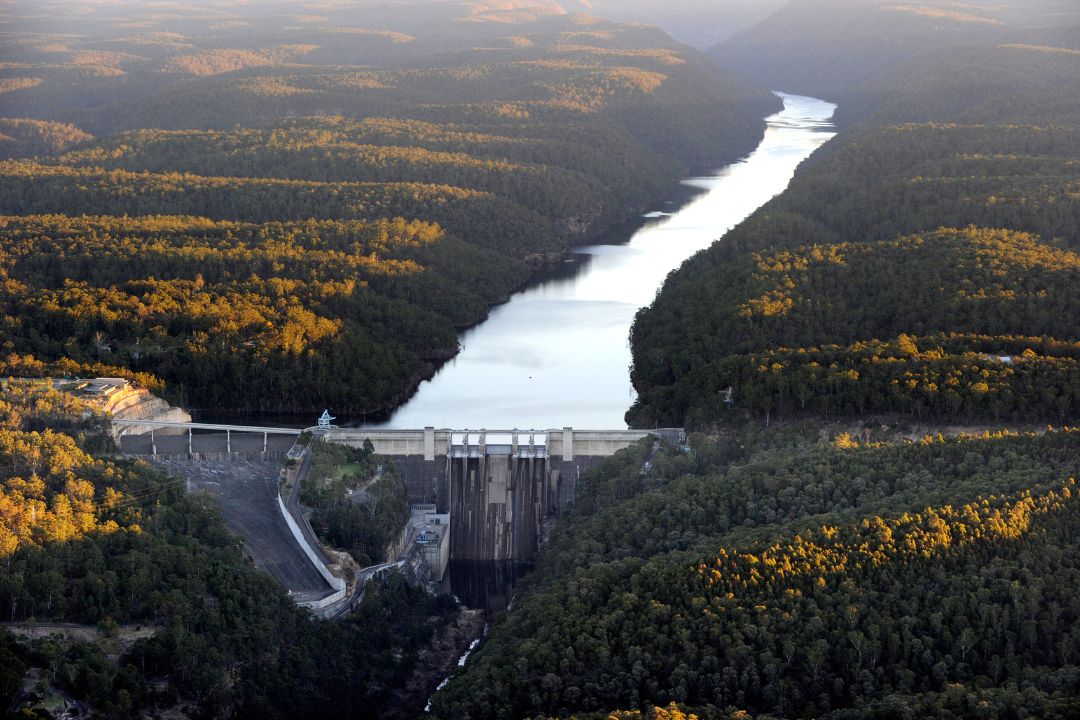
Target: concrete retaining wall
[(325, 602), (335, 582)]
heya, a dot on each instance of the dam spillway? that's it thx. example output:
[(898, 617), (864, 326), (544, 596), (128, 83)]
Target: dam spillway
[(498, 487), (501, 489)]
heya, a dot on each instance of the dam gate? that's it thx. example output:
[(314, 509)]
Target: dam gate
[(497, 486)]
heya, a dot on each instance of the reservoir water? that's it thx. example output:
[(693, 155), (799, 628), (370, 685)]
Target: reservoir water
[(558, 354)]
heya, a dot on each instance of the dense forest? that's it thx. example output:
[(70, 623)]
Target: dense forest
[(923, 263), (266, 212), (357, 503), (836, 546), (960, 325), (92, 540), (311, 311), (929, 579), (452, 150)]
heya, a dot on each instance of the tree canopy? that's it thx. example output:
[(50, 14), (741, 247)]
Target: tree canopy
[(945, 216), (307, 214)]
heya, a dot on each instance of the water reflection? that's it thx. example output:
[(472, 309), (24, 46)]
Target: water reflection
[(558, 354)]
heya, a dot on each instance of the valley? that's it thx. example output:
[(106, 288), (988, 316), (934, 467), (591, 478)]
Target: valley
[(834, 255)]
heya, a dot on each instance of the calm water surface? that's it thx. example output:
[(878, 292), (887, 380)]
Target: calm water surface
[(558, 353)]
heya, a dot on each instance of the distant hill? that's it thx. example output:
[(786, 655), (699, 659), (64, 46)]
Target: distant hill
[(827, 48), (508, 131), (701, 23)]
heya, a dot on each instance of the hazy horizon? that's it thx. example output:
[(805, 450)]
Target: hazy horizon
[(700, 23)]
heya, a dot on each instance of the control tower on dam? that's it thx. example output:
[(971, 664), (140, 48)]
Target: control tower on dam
[(497, 486)]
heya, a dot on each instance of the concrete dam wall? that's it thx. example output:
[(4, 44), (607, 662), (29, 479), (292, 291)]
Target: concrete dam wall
[(497, 486)]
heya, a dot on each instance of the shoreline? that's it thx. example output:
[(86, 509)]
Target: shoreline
[(555, 266)]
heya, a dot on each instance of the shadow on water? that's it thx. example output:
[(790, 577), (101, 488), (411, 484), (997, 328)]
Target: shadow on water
[(484, 585)]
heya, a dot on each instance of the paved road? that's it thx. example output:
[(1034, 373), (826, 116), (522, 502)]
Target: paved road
[(357, 596), (249, 502), (297, 511)]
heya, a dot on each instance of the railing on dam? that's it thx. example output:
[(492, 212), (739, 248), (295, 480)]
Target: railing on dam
[(188, 426), (498, 486), (430, 443)]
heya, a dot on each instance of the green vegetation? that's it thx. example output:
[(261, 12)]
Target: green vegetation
[(97, 541), (792, 331), (924, 264), (337, 151), (314, 310), (484, 219), (358, 504), (326, 205), (848, 581), (921, 269), (21, 136)]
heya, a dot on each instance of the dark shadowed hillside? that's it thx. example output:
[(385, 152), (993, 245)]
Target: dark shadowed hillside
[(846, 540)]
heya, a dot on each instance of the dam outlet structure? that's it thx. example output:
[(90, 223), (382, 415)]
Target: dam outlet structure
[(497, 486)]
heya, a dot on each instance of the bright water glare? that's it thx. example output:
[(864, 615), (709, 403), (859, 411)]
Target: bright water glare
[(558, 354)]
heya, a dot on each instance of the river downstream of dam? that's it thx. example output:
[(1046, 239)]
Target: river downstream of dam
[(558, 354)]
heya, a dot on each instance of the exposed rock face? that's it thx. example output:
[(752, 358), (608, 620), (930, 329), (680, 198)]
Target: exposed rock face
[(436, 662), (134, 403)]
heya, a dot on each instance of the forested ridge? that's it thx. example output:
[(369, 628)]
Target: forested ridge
[(110, 543), (836, 546), (314, 310), (929, 579), (944, 220), (954, 324), (508, 137)]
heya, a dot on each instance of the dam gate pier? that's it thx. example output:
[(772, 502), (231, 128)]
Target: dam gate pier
[(484, 494), (497, 486)]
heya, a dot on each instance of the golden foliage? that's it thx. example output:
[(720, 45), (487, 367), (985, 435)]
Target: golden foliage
[(671, 712), (272, 86), (46, 494), (941, 14), (19, 83), (216, 62), (816, 558), (1040, 48)]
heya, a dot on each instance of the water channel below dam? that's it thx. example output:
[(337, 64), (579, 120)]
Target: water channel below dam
[(557, 354)]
